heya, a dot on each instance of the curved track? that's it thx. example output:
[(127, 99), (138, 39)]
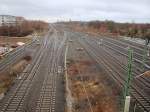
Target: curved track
[(40, 88)]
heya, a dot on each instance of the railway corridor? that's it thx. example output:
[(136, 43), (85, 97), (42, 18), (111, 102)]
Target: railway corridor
[(117, 71), (40, 88)]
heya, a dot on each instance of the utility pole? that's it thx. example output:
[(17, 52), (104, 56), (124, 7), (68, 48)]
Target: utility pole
[(128, 81)]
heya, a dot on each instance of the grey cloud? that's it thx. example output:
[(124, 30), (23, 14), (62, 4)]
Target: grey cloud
[(118, 10)]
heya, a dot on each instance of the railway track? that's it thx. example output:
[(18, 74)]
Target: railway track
[(41, 88), (117, 74), (133, 43), (14, 56), (37, 89), (47, 101), (136, 70), (121, 48), (16, 98), (137, 57)]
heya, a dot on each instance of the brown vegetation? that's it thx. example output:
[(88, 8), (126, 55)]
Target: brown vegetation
[(23, 29), (13, 40), (7, 77), (100, 95), (113, 28)]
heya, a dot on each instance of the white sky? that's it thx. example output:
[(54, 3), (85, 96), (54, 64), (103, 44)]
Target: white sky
[(85, 10)]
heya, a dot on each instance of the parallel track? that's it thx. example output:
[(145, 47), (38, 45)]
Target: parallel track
[(116, 73), (40, 79)]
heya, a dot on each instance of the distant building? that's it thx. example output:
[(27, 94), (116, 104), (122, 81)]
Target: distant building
[(8, 20)]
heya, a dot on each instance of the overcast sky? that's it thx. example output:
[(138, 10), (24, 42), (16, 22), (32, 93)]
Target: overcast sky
[(85, 10)]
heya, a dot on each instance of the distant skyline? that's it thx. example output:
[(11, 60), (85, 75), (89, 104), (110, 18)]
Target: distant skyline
[(137, 11)]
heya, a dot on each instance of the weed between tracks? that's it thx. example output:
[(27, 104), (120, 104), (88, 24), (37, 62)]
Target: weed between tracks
[(101, 96), (7, 77)]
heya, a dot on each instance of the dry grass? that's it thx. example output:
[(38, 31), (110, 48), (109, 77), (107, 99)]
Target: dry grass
[(100, 95), (13, 40), (7, 77)]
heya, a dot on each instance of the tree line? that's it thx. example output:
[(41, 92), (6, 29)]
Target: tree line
[(23, 29), (126, 29), (134, 30)]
